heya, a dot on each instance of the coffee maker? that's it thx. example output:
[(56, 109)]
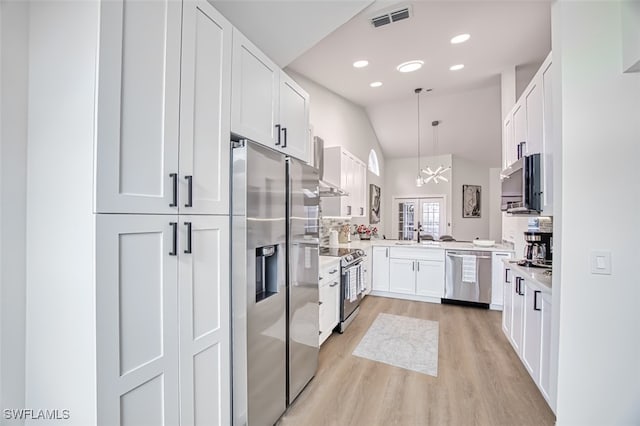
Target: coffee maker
[(538, 250)]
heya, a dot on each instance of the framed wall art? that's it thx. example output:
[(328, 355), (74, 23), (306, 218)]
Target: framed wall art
[(374, 203), (471, 201)]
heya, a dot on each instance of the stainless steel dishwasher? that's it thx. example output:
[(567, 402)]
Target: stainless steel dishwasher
[(468, 278)]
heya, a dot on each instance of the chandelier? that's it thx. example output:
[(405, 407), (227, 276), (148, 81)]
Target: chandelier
[(436, 175)]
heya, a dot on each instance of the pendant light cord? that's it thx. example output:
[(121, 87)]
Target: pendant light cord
[(418, 98)]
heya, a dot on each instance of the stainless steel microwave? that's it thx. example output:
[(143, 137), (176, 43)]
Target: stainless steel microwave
[(521, 186)]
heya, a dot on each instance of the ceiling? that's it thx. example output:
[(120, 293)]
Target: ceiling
[(284, 29), (504, 35)]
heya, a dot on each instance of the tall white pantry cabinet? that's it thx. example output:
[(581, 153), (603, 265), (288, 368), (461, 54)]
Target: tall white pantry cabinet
[(128, 226)]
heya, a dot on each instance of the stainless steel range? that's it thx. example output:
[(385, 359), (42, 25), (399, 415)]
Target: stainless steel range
[(352, 282)]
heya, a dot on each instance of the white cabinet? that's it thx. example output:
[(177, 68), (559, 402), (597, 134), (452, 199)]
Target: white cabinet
[(346, 171), (532, 330), (329, 294), (417, 273), (497, 278), (294, 118), (366, 270), (267, 106), (545, 347), (533, 108), (403, 273), (531, 121), (156, 103), (380, 269), (429, 278), (517, 313), (162, 319), (507, 309), (547, 140)]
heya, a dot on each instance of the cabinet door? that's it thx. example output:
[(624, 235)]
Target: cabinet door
[(519, 127), (498, 277), (203, 297), (508, 144), (380, 269), (294, 118), (138, 106), (324, 319), (362, 189), (547, 142), (531, 333), (366, 271), (545, 346), (205, 108), (402, 276), (334, 305), (517, 321), (137, 319), (533, 101), (507, 310), (347, 184), (430, 278), (254, 93), (358, 205)]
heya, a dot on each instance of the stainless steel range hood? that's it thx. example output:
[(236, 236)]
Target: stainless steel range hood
[(327, 189)]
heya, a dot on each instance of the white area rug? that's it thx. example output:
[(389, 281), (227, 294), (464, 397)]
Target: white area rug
[(403, 342)]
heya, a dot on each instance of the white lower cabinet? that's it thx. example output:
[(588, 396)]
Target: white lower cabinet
[(380, 269), (162, 319), (526, 321), (412, 273), (498, 271), (329, 295), (402, 274), (366, 266)]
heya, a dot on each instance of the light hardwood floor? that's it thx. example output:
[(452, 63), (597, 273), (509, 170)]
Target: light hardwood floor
[(480, 379)]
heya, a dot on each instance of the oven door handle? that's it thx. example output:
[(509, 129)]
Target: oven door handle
[(354, 264)]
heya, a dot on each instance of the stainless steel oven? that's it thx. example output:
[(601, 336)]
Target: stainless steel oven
[(352, 287)]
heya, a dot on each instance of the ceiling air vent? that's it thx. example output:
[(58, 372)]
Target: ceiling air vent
[(389, 16)]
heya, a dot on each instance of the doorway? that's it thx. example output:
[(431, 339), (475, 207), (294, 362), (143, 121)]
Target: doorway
[(429, 211)]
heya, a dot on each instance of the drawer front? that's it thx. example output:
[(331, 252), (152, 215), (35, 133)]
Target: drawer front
[(329, 275), (416, 253)]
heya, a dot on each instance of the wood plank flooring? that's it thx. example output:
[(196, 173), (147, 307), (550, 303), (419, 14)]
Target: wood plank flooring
[(480, 379)]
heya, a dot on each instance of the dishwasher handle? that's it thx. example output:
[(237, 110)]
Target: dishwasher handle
[(460, 256)]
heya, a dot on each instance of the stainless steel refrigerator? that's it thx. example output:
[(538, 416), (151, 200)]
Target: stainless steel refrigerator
[(274, 290)]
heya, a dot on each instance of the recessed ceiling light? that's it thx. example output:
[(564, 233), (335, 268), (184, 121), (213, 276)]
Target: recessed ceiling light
[(460, 38), (410, 66), (376, 84), (456, 67), (360, 64)]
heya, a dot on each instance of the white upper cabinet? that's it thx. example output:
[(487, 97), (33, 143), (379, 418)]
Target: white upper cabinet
[(156, 105), (547, 141), (205, 110), (508, 144), (533, 101), (138, 106), (349, 173), (294, 118), (519, 127), (267, 106), (255, 89)]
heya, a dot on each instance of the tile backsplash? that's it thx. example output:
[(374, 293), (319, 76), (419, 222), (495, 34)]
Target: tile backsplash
[(329, 223)]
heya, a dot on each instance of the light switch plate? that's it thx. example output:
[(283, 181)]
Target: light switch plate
[(600, 262)]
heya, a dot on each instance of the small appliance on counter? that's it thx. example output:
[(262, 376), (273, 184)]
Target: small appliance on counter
[(538, 251)]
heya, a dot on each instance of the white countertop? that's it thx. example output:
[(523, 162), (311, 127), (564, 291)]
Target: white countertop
[(328, 260), (534, 274), (453, 245)]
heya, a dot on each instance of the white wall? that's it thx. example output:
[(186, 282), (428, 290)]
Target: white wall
[(631, 36), (13, 145), (494, 199), (340, 122), (400, 181), (524, 74), (599, 342), (467, 172), (60, 352)]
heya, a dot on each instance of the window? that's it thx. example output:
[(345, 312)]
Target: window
[(373, 163)]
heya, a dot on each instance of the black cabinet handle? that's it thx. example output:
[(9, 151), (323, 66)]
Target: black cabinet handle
[(535, 300), (520, 290), (188, 249), (335, 283), (333, 272), (506, 276), (319, 303), (174, 178), (278, 128), (174, 244), (189, 191), (284, 130)]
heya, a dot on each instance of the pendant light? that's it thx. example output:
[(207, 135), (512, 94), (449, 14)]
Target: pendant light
[(419, 179), (435, 175)]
